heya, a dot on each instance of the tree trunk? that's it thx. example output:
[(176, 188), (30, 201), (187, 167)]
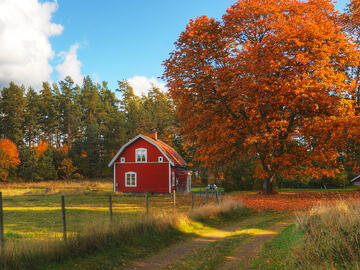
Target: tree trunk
[(69, 132), (268, 185)]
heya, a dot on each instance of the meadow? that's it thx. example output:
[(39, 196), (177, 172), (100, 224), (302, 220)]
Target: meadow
[(33, 210), (33, 223), (324, 223)]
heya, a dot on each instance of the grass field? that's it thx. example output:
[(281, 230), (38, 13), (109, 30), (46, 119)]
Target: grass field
[(32, 214), (35, 211)]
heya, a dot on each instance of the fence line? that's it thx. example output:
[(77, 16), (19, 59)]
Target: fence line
[(192, 201)]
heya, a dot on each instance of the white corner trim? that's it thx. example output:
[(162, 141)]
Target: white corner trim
[(133, 140), (169, 178), (114, 178)]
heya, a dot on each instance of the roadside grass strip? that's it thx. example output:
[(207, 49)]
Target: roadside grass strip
[(277, 253)]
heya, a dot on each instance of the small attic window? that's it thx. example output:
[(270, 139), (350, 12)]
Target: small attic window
[(160, 159), (122, 160), (141, 155)]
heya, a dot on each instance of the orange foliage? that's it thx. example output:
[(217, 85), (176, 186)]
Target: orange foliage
[(270, 81), (11, 157), (41, 148), (65, 149)]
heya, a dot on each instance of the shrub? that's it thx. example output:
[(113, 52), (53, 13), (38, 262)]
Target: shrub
[(66, 169)]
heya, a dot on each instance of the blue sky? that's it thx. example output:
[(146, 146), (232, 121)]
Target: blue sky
[(109, 40), (123, 39)]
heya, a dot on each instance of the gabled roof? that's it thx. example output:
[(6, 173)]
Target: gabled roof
[(170, 153)]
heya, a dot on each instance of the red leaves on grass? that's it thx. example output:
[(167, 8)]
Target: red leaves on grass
[(284, 201)]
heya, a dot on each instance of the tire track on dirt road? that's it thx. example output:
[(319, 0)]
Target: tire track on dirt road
[(168, 257)]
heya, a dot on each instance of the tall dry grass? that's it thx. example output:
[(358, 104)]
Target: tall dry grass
[(27, 254), (55, 187), (332, 237), (225, 209)]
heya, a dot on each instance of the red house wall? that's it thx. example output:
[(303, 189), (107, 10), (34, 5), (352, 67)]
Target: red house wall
[(152, 176)]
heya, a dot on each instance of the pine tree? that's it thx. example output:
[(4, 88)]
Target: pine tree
[(32, 117), (12, 106)]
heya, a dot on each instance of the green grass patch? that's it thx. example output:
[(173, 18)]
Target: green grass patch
[(204, 190), (277, 253)]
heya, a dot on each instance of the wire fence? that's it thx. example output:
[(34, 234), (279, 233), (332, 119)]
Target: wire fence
[(63, 215)]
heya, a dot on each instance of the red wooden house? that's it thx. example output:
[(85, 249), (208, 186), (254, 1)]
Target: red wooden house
[(147, 164)]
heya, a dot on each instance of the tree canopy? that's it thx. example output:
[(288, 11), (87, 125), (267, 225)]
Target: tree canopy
[(66, 130), (272, 80)]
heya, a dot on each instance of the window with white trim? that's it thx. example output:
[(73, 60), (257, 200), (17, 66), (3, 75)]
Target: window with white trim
[(160, 159), (122, 160), (141, 155), (130, 179)]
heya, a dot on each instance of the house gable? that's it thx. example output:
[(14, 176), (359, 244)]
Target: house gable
[(152, 153), (137, 142)]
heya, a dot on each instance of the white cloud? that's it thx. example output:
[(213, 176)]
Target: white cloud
[(71, 66), (25, 50), (142, 85)]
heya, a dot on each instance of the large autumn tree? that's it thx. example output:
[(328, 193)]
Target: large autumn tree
[(269, 80)]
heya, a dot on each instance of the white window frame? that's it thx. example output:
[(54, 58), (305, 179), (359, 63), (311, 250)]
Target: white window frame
[(122, 160), (136, 155), (130, 173), (160, 159)]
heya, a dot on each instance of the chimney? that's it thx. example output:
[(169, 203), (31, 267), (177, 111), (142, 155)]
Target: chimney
[(153, 135)]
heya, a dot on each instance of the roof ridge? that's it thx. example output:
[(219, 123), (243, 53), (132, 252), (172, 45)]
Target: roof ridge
[(170, 151)]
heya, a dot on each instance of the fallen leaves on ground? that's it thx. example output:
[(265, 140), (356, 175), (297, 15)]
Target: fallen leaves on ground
[(286, 201)]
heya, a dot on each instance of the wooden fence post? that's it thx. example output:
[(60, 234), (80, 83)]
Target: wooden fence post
[(192, 200), (110, 208), (174, 200), (63, 217), (217, 199), (206, 196), (2, 239), (147, 202)]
